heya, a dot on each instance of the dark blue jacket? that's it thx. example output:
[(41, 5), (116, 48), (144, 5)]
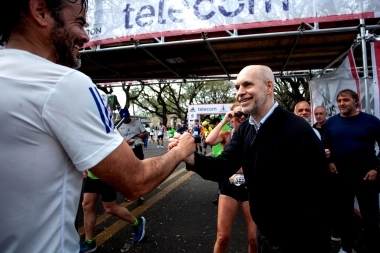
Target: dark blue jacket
[(286, 172)]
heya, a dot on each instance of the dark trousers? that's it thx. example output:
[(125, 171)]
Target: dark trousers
[(139, 153), (296, 241), (368, 198), (146, 141), (264, 246)]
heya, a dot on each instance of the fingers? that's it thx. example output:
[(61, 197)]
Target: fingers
[(332, 168), (327, 152)]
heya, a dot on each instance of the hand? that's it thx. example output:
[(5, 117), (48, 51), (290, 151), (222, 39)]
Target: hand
[(332, 168), (173, 142), (371, 175), (228, 117), (130, 142), (185, 144), (232, 179), (327, 152)]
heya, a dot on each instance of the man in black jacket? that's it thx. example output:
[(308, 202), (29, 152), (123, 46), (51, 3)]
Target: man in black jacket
[(284, 165)]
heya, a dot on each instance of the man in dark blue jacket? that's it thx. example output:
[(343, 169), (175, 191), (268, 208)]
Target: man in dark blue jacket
[(351, 137), (284, 165)]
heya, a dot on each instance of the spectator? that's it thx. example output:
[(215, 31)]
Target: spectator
[(351, 137), (303, 110), (320, 116)]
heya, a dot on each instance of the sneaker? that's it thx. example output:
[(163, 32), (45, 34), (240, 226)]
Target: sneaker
[(336, 239), (158, 146), (86, 247), (139, 230), (141, 200), (335, 236), (162, 146), (343, 251)]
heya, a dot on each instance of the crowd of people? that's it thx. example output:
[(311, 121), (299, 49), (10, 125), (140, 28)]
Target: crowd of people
[(296, 186)]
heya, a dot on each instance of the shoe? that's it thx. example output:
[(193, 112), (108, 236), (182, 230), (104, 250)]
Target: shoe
[(335, 236), (139, 230), (158, 146), (162, 146), (86, 247), (343, 251), (336, 239), (141, 200)]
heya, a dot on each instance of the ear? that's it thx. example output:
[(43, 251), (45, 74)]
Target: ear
[(270, 86), (39, 12)]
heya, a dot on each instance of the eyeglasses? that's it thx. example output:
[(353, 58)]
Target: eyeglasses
[(239, 114)]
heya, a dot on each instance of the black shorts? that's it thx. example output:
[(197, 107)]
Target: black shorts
[(107, 192), (138, 151), (161, 136), (197, 140), (239, 193)]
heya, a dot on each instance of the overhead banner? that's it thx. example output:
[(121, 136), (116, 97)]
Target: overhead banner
[(324, 90), (195, 111), (113, 21)]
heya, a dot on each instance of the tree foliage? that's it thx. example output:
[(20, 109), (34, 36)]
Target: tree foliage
[(289, 91), (164, 99)]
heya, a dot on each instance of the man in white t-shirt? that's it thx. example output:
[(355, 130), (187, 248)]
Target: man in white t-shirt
[(42, 159)]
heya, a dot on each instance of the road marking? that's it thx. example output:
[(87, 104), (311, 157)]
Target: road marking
[(114, 228), (101, 218)]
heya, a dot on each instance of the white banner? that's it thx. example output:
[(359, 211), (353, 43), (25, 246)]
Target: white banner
[(323, 91), (113, 21), (195, 111)]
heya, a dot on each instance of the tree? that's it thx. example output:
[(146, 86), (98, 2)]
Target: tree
[(167, 98), (289, 91)]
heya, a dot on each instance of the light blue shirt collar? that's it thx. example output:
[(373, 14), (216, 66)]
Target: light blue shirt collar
[(252, 122)]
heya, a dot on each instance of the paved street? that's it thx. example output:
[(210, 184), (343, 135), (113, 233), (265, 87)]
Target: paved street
[(180, 218)]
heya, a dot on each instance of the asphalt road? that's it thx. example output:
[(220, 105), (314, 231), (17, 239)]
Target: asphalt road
[(180, 218)]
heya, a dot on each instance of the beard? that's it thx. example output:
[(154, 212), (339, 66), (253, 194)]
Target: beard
[(258, 104), (64, 44)]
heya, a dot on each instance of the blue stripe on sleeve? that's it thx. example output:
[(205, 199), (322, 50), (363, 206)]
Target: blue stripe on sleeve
[(104, 113)]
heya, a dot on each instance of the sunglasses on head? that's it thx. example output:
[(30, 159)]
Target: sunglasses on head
[(239, 114)]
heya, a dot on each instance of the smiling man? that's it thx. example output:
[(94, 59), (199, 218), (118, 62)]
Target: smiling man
[(284, 166), (55, 126)]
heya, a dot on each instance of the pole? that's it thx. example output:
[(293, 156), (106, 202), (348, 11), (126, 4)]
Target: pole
[(365, 63)]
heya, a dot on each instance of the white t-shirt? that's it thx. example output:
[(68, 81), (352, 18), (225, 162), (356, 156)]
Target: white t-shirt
[(130, 130), (54, 126)]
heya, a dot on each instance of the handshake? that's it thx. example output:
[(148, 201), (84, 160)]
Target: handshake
[(185, 143)]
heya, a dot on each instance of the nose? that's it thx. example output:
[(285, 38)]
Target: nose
[(240, 92), (84, 36)]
